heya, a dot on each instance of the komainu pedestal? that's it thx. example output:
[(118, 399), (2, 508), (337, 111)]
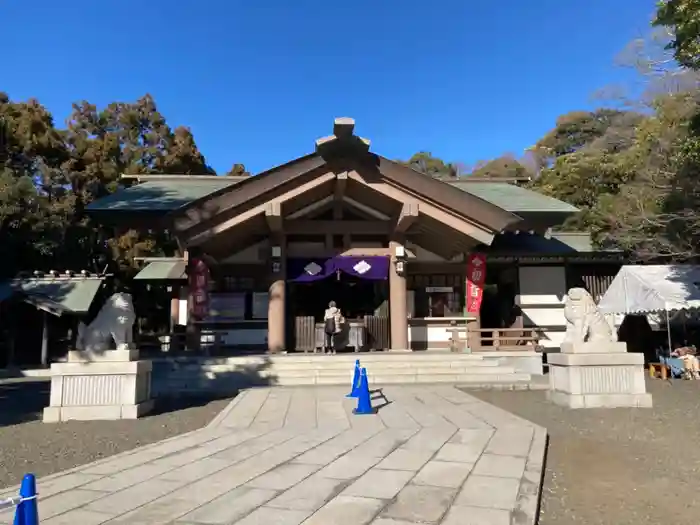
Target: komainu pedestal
[(110, 385), (594, 370), (97, 382)]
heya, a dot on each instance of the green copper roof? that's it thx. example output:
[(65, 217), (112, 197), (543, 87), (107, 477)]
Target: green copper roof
[(558, 243), (161, 195), (169, 194), (55, 295), (514, 199), (158, 270)]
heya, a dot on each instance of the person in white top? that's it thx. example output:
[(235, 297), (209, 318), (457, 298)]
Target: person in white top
[(331, 325)]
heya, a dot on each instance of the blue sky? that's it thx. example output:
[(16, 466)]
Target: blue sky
[(258, 81)]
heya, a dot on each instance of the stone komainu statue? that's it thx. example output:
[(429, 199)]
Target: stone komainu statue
[(114, 321), (584, 322)]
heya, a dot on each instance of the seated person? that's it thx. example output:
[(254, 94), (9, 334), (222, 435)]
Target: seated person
[(691, 365), (676, 366)]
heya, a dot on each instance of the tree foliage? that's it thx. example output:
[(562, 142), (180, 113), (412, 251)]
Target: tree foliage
[(682, 17), (49, 174)]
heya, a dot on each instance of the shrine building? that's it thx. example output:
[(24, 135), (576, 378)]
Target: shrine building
[(414, 262)]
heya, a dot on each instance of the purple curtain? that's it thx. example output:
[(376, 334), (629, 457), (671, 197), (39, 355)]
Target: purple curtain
[(309, 270), (374, 268)]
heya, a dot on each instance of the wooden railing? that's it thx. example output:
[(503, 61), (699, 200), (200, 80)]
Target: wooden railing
[(179, 343), (508, 339)]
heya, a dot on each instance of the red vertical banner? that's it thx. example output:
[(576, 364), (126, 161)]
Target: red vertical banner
[(476, 277), (199, 289)]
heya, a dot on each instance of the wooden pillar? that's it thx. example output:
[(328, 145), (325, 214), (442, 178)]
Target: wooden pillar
[(398, 311), (277, 296)]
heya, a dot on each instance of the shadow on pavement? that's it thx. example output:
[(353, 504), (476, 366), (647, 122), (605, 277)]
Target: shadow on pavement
[(23, 401)]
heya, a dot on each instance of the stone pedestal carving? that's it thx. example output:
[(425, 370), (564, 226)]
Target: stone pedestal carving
[(594, 370), (111, 385), (96, 382)]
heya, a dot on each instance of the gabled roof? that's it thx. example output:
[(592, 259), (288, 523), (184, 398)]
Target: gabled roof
[(162, 195), (165, 195), (56, 295), (163, 270), (194, 199), (558, 243), (515, 199)]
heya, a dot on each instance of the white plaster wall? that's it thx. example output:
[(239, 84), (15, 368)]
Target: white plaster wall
[(542, 291), (431, 334), (183, 307)]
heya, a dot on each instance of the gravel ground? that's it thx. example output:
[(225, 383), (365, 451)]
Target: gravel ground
[(28, 445), (618, 466)]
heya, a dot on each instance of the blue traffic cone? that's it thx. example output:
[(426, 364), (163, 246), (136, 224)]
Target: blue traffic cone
[(364, 401), (27, 512), (355, 388)]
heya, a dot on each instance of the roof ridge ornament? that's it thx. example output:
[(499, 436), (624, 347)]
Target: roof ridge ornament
[(343, 136)]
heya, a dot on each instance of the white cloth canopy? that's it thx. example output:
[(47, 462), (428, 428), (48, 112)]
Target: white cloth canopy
[(654, 288)]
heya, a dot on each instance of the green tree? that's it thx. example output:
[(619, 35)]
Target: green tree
[(238, 170), (505, 167), (682, 17), (425, 162), (48, 176)]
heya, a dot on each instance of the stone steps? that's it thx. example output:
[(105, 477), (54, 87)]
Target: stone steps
[(223, 374), (332, 367), (376, 380)]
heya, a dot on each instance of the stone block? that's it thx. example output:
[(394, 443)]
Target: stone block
[(443, 474), (511, 442), (81, 516), (79, 356), (459, 515), (346, 510), (489, 492), (99, 390), (230, 507), (349, 466), (269, 516), (284, 476), (500, 466), (460, 453), (598, 347), (406, 459), (379, 484), (598, 380), (421, 504), (311, 494), (129, 499)]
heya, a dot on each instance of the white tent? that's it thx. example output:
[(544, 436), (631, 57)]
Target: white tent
[(654, 288)]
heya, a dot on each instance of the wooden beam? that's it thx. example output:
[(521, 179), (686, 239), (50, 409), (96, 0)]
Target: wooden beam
[(273, 216), (256, 211), (366, 210), (341, 182), (463, 225), (205, 208), (343, 127), (302, 227), (322, 252), (306, 210), (408, 215)]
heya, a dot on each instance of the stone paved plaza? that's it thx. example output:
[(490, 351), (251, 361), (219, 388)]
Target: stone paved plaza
[(290, 456)]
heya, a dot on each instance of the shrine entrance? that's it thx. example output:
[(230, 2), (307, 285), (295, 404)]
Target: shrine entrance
[(358, 286)]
